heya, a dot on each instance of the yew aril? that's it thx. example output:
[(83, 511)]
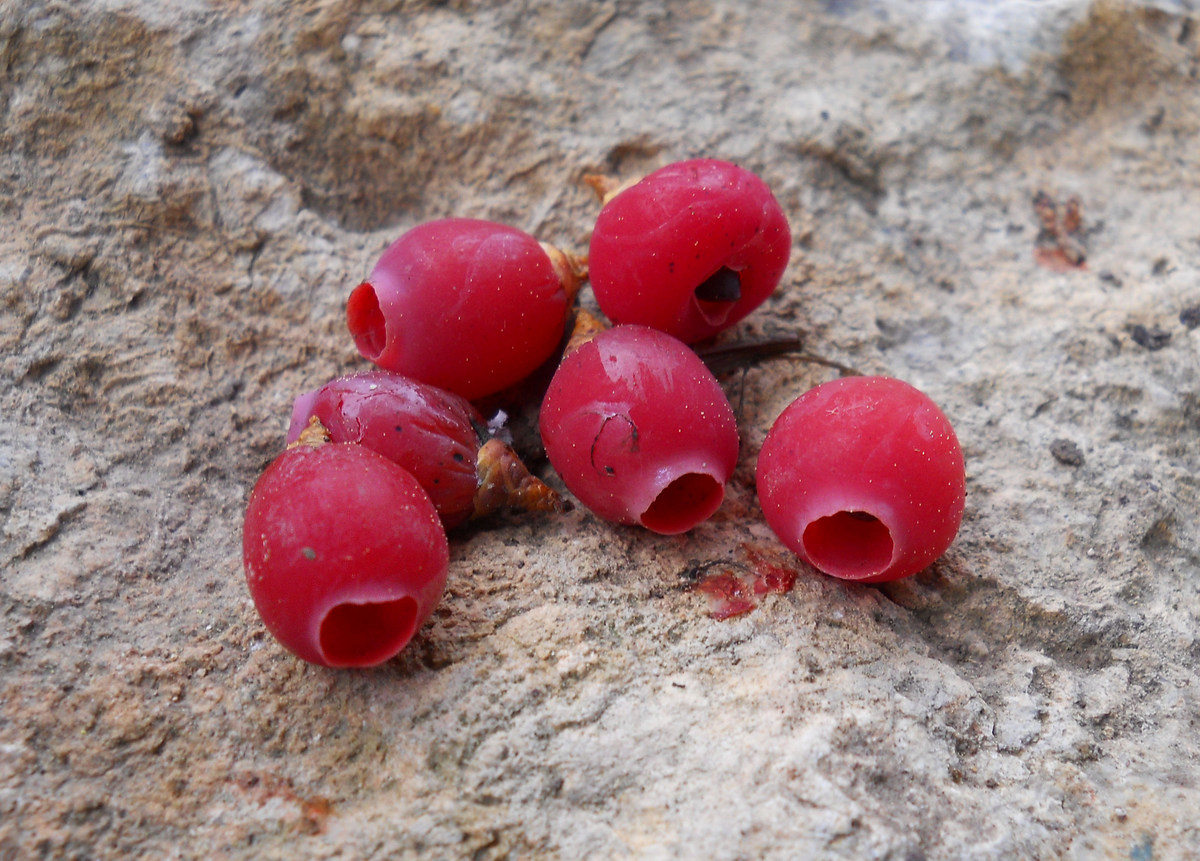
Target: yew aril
[(428, 431), (344, 554), (690, 250), (467, 305), (436, 435), (863, 478), (640, 430)]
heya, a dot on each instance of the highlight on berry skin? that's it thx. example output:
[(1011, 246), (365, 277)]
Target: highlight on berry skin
[(690, 250), (863, 478), (640, 431), (344, 554), (467, 305)]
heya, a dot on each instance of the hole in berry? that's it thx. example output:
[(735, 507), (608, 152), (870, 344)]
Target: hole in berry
[(365, 320), (849, 544), (361, 635), (717, 294), (724, 285), (686, 501)]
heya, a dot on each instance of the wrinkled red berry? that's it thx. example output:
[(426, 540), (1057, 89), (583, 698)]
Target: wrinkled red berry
[(863, 478), (640, 430), (466, 305), (428, 431), (345, 556), (690, 250)]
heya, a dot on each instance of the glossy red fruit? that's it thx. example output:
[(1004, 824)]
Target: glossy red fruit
[(863, 478), (640, 431), (428, 431), (466, 305), (690, 250), (344, 554)]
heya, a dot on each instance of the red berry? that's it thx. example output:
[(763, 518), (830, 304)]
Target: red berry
[(863, 478), (640, 430), (466, 305), (344, 554), (428, 431), (690, 250)]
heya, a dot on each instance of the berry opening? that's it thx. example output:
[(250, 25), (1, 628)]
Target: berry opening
[(365, 319), (849, 544), (717, 295), (686, 501), (359, 635)]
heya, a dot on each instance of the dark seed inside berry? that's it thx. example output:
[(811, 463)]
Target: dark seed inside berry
[(724, 285)]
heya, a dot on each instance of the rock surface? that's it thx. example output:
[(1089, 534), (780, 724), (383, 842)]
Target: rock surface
[(189, 190)]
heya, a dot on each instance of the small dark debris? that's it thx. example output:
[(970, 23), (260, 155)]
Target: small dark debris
[(1155, 120), (1059, 243), (1160, 537), (1160, 266), (1152, 337), (180, 129), (1109, 278), (692, 575), (1066, 452), (1190, 317)]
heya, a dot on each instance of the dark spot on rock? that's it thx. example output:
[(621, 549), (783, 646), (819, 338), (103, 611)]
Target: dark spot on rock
[(1154, 122), (1152, 337), (1066, 452)]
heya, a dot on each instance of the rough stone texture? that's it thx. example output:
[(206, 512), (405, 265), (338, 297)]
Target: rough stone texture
[(189, 190)]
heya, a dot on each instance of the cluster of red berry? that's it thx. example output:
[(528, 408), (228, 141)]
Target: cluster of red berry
[(345, 545)]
